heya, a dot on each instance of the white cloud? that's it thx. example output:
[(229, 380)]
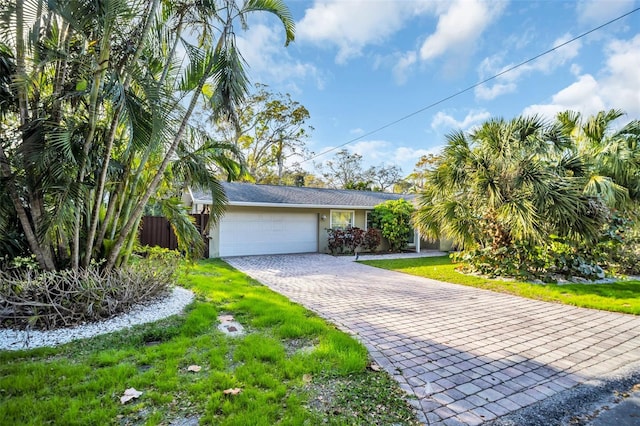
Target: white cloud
[(576, 69), (460, 26), (487, 92), (408, 156), (403, 66), (621, 88), (598, 11), (262, 47), (446, 121), (372, 151), (618, 86), (381, 152), (352, 25), (580, 96), (506, 83)]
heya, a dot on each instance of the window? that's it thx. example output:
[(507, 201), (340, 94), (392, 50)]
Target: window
[(341, 219), (411, 239), (368, 220)]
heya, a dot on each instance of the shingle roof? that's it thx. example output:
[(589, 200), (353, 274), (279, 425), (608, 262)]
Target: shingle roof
[(251, 194)]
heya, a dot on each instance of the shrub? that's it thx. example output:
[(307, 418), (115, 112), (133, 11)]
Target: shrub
[(557, 259), (45, 300), (372, 239), (393, 219), (342, 241), (619, 246), (336, 240)]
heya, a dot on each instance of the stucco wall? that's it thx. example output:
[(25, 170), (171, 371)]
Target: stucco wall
[(323, 223), (323, 216)]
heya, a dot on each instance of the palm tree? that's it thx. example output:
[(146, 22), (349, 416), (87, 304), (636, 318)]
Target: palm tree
[(505, 182), (102, 109), (611, 158)]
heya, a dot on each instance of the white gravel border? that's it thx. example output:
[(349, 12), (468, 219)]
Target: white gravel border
[(172, 304)]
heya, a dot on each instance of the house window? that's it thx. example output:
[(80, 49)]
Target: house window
[(341, 219), (368, 220), (411, 239)]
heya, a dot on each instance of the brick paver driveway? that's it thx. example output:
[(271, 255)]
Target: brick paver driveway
[(468, 355)]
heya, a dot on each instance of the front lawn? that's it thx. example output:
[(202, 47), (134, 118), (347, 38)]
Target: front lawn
[(621, 296), (291, 368)]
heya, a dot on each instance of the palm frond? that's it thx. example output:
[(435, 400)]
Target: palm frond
[(278, 8), (189, 238), (230, 80), (611, 193)]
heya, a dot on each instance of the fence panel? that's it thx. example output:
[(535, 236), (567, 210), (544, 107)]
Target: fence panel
[(156, 231)]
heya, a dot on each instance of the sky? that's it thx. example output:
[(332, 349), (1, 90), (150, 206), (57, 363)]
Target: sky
[(359, 65)]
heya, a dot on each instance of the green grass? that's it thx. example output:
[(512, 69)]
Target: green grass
[(621, 296), (292, 366)]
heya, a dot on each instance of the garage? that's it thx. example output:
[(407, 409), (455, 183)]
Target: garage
[(253, 233)]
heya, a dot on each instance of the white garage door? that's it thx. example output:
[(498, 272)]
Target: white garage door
[(245, 233)]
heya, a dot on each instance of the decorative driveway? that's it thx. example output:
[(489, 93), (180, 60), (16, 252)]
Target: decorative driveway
[(468, 355)]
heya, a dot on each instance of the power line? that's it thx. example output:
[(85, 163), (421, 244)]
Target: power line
[(546, 52)]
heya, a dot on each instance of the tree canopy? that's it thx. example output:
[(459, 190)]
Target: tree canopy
[(525, 183), (508, 180), (346, 170), (96, 106), (270, 130)]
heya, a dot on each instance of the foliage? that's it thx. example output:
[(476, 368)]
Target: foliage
[(96, 108), (50, 299), (621, 296), (288, 355), (507, 188), (347, 240), (609, 165), (345, 170), (384, 177), (353, 239), (19, 262), (506, 182), (417, 179), (556, 260), (618, 248), (616, 251), (393, 219), (372, 239), (270, 130)]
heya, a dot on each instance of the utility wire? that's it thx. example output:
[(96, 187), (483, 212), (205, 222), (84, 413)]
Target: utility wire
[(546, 52)]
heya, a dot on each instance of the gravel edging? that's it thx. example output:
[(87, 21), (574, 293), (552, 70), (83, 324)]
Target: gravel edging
[(174, 303)]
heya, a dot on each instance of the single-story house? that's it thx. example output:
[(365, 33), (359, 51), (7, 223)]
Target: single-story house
[(271, 219)]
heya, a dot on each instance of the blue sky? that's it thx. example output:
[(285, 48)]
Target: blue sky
[(360, 65)]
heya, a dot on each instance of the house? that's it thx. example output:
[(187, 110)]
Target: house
[(271, 219)]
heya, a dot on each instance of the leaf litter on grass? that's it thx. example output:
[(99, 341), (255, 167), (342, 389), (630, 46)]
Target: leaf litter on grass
[(366, 398)]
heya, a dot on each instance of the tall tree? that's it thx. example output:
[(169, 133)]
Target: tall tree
[(99, 108), (270, 130), (610, 158), (384, 177), (345, 170), (507, 181), (416, 180)]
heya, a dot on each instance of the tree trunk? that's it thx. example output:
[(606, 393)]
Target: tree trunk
[(137, 212), (45, 261), (98, 77)]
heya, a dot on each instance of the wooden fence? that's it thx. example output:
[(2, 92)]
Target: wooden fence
[(156, 231)]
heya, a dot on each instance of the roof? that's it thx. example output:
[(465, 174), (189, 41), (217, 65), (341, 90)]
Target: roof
[(248, 194)]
